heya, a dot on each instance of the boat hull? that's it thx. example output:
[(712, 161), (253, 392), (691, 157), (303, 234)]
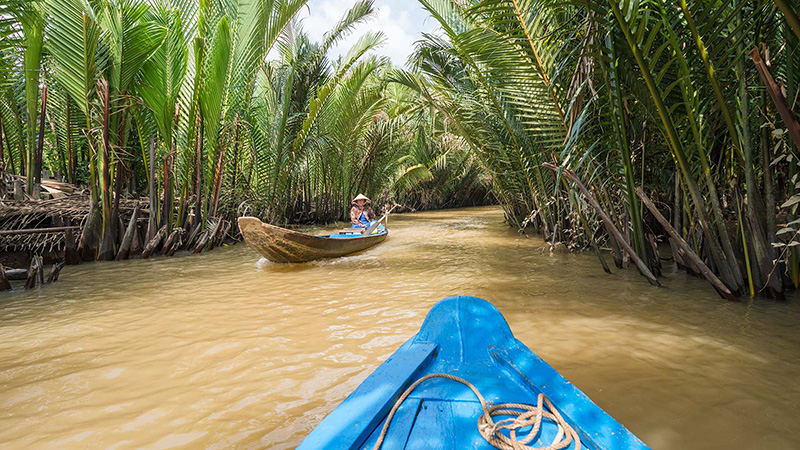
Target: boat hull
[(469, 338), (287, 246)]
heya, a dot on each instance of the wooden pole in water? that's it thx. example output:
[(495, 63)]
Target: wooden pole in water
[(35, 273), (698, 263), (5, 285), (609, 224), (52, 277)]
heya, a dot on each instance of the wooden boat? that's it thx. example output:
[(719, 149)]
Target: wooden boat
[(469, 338), (287, 246)]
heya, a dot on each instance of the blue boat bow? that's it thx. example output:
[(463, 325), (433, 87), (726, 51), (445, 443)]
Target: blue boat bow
[(466, 337)]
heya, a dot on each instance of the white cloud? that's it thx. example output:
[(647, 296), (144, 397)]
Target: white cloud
[(401, 21)]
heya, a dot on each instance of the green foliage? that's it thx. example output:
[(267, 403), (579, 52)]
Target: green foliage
[(626, 94), (289, 139)]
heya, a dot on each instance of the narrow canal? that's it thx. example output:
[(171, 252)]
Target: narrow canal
[(224, 350)]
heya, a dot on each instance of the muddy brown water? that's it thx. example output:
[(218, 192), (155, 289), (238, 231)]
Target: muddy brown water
[(225, 351)]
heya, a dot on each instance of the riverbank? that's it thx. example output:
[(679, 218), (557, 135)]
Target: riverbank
[(35, 235), (231, 351), (67, 231)]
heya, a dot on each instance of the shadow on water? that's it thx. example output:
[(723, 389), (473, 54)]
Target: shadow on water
[(226, 350)]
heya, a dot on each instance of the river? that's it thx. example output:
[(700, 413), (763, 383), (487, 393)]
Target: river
[(224, 350)]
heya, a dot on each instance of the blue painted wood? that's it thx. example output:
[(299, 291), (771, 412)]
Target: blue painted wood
[(351, 236), (349, 425), (434, 428), (469, 338), (574, 405), (397, 435)]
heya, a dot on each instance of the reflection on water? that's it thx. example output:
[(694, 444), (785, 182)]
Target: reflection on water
[(224, 350)]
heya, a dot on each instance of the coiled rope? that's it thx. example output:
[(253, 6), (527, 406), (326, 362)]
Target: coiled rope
[(522, 415)]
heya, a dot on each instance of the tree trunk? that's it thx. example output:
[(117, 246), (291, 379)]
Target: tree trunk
[(198, 209), (153, 244), (653, 255), (590, 237), (130, 234), (226, 226), (90, 235), (118, 178), (643, 269), (177, 244), (769, 191), (37, 164), (791, 17), (136, 244), (170, 242), (777, 97), (71, 255), (687, 250), (235, 153), (677, 211), (107, 250), (192, 236), (167, 205), (4, 131), (2, 161), (71, 154), (218, 181), (152, 223), (201, 242), (212, 238)]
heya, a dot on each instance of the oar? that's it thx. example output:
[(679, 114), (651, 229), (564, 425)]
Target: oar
[(367, 231)]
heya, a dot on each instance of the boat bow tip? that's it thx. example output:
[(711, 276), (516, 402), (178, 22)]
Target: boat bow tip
[(479, 326), (246, 221)]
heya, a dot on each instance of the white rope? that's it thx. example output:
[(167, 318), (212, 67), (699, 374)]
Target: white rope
[(522, 415)]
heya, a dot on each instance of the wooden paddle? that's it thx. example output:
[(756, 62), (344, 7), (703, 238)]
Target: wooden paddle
[(367, 231)]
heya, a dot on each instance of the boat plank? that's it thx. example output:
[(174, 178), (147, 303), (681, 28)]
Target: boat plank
[(465, 420), (349, 425), (435, 428), (403, 422)]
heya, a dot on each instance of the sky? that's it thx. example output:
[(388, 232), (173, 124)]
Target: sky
[(402, 21)]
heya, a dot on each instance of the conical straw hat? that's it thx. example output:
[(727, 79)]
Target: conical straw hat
[(362, 197)]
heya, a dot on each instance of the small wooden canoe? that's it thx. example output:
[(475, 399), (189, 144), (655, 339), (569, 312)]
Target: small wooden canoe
[(287, 246), (468, 338)]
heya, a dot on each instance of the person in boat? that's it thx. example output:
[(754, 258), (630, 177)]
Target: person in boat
[(361, 214)]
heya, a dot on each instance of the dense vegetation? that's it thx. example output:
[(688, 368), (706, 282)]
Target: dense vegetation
[(665, 96), (213, 109), (575, 115)]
